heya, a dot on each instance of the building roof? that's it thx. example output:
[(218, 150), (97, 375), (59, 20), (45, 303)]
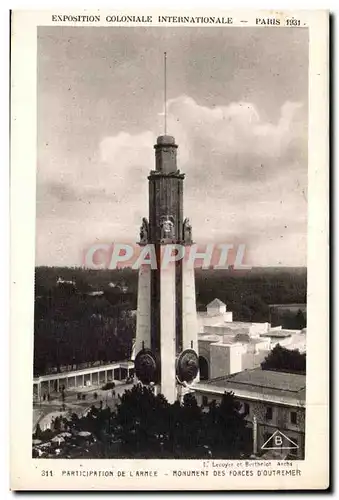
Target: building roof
[(81, 371), (233, 325), (216, 303), (208, 337), (263, 385), (281, 334), (267, 379), (260, 340), (238, 324), (292, 304)]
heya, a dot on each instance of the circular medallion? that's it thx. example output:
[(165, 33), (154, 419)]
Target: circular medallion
[(146, 366), (187, 366)]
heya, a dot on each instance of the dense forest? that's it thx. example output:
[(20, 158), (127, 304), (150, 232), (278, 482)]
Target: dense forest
[(73, 327), (249, 293), (83, 316)]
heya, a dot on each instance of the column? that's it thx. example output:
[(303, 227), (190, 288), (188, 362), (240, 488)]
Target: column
[(49, 386), (105, 376), (189, 309), (83, 381), (58, 385), (255, 435), (168, 332), (91, 377), (143, 329)]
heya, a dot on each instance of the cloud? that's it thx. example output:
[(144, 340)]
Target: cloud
[(233, 139), (246, 178)]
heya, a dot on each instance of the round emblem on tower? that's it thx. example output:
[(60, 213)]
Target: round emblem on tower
[(187, 366), (146, 366)]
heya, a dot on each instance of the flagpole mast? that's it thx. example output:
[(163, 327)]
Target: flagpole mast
[(165, 92)]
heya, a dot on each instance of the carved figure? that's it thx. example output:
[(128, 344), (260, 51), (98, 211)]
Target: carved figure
[(187, 231), (167, 229), (144, 231)]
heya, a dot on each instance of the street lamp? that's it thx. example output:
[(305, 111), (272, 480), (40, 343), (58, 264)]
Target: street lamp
[(255, 435)]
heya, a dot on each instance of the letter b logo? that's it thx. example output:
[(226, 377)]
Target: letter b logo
[(278, 440)]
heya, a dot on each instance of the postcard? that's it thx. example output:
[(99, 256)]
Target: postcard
[(169, 250)]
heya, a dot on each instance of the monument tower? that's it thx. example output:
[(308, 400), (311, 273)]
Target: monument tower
[(166, 339)]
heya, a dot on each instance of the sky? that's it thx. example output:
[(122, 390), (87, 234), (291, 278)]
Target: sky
[(237, 107)]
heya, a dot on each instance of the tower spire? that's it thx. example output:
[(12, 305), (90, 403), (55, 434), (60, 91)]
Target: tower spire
[(165, 92)]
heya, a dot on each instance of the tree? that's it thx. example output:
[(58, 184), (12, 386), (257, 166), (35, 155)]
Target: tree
[(57, 424), (285, 360), (253, 308), (38, 432), (142, 421), (148, 425), (191, 423), (233, 430), (74, 421)]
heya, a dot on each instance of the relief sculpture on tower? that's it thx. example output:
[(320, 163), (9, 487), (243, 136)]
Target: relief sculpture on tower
[(146, 367), (167, 228), (144, 231), (187, 366), (187, 231)]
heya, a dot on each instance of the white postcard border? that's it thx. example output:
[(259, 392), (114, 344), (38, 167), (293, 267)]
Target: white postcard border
[(25, 471)]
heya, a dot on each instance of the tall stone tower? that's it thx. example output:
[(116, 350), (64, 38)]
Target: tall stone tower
[(166, 339)]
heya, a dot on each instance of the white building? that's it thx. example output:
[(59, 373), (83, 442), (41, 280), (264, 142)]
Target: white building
[(226, 346), (94, 376)]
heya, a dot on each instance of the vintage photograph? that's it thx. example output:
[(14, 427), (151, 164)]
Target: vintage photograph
[(171, 243)]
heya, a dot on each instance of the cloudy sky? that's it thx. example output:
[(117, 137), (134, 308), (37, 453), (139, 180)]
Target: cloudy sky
[(237, 106)]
